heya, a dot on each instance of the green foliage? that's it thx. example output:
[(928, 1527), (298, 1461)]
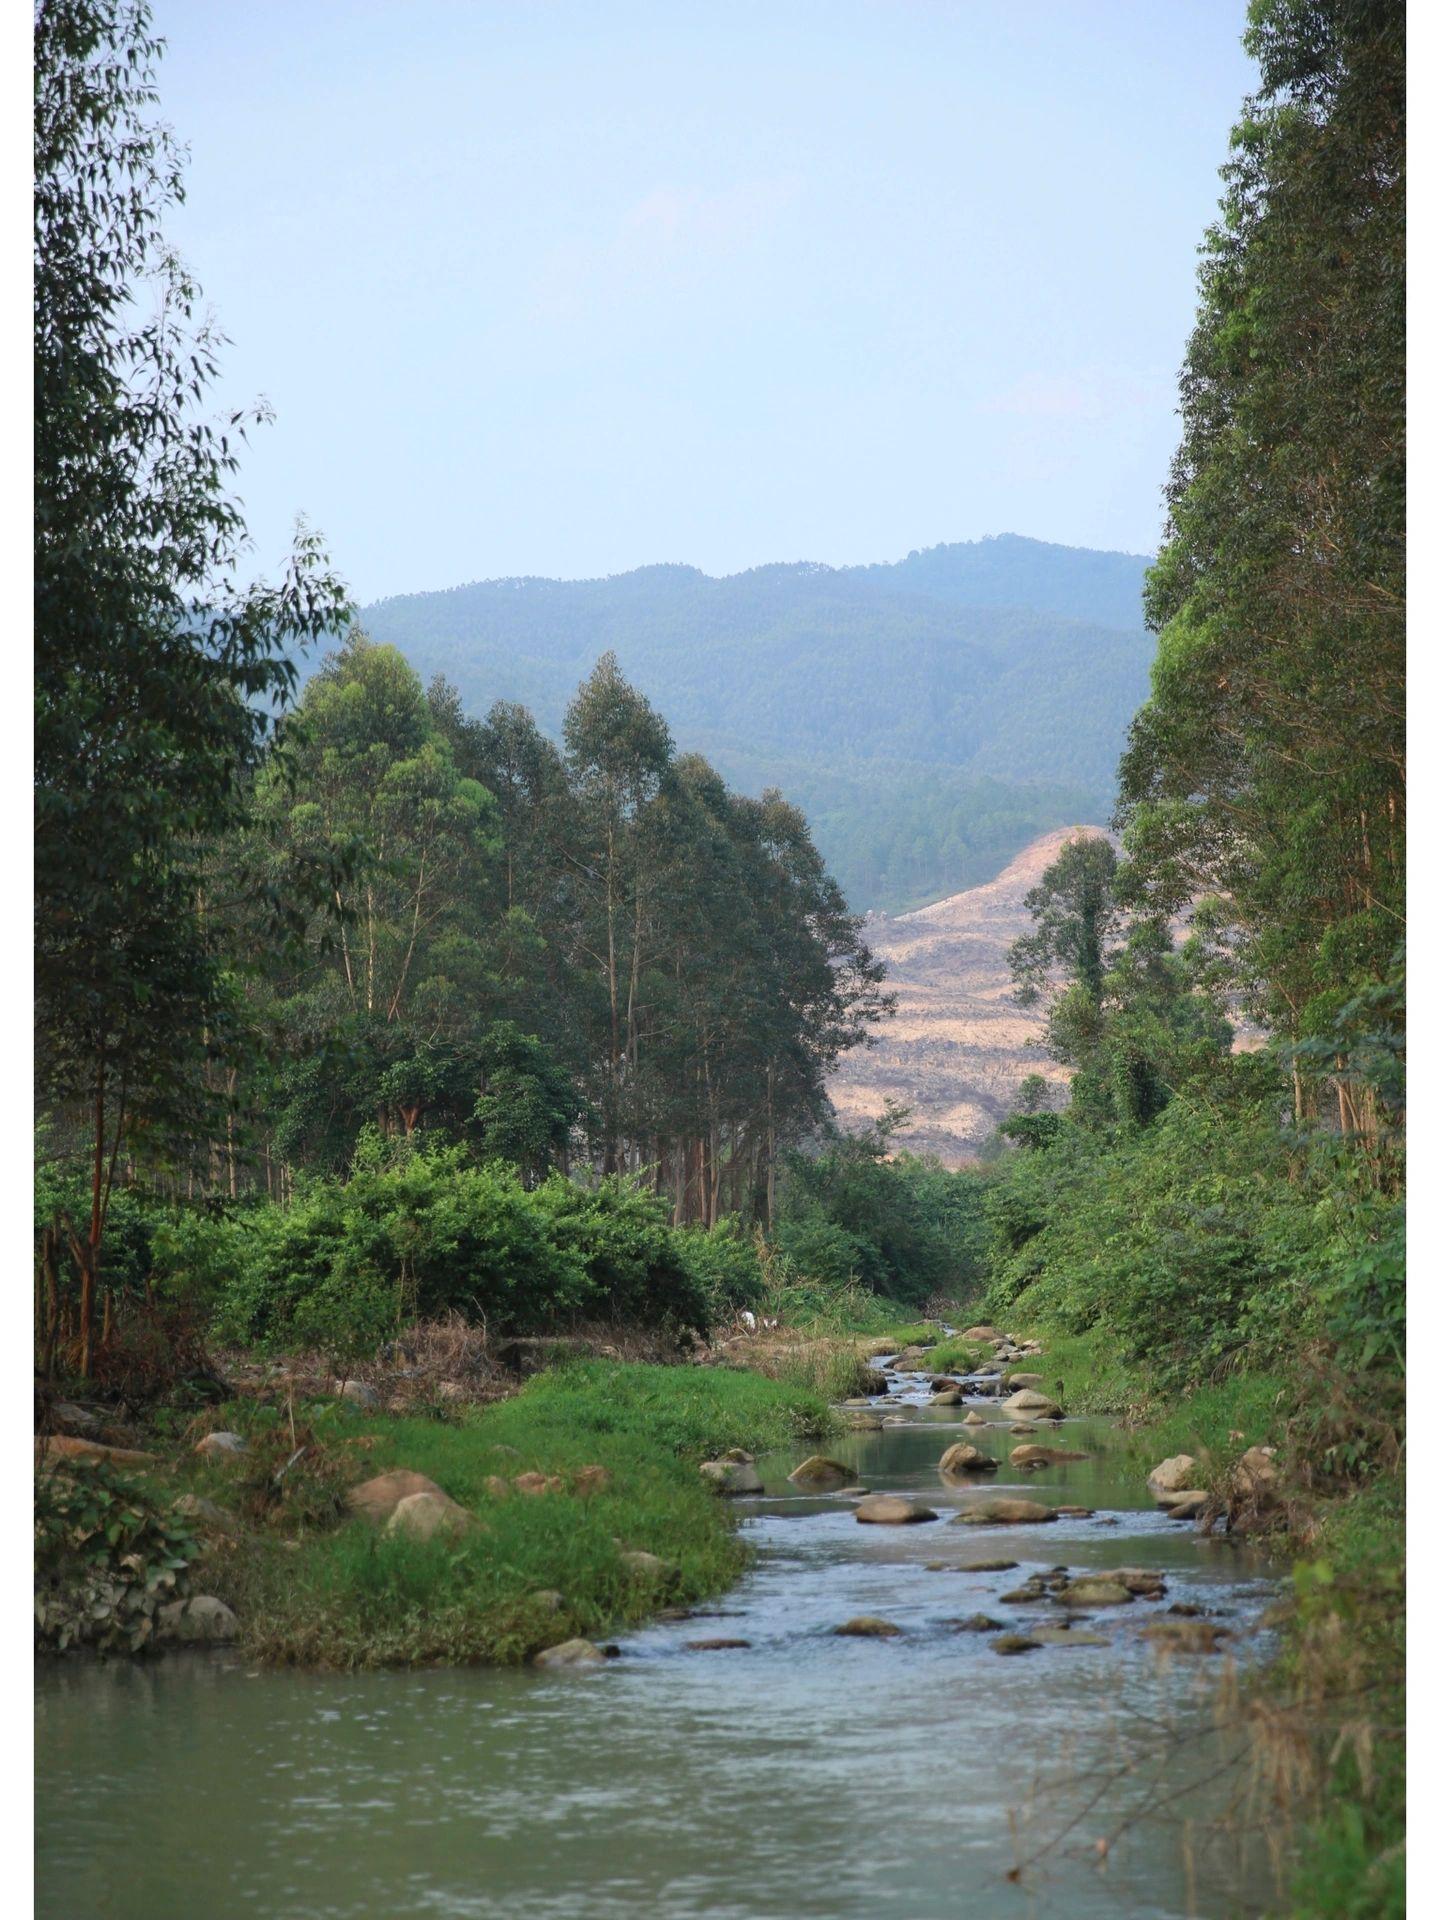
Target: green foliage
[(725, 1264), (903, 1227), (108, 1557)]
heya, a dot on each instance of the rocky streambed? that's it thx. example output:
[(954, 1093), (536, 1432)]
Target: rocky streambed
[(994, 1695)]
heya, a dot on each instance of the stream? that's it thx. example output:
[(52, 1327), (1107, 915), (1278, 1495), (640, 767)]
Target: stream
[(802, 1775)]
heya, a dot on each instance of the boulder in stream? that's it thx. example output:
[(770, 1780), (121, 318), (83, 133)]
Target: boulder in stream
[(200, 1621), (1039, 1406), (571, 1653), (822, 1473), (963, 1458), (1087, 1592), (893, 1510), (731, 1476), (1173, 1474), (1015, 1643), (1028, 1456), (868, 1626), (1005, 1512)]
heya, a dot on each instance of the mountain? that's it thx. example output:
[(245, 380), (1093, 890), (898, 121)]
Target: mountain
[(958, 1046), (931, 715)]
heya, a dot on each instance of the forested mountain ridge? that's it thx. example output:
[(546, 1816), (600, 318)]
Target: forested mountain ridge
[(931, 716)]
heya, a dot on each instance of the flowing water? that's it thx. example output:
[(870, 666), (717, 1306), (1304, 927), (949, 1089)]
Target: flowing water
[(802, 1775)]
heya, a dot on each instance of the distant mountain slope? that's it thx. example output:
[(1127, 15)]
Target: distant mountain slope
[(931, 715), (958, 1046)]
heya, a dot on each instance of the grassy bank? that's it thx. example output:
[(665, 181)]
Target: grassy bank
[(313, 1585)]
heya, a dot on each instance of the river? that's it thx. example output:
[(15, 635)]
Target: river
[(803, 1775)]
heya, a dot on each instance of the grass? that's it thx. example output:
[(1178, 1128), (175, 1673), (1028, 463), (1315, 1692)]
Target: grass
[(349, 1595)]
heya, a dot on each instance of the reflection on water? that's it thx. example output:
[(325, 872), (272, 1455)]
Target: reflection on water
[(804, 1776)]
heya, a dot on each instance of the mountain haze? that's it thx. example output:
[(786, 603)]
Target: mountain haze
[(931, 716)]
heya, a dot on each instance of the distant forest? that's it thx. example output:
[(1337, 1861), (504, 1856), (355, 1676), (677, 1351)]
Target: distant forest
[(930, 716)]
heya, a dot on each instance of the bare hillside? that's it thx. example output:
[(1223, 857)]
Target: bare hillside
[(957, 1049)]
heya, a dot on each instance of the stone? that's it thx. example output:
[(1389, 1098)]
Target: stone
[(1076, 1513), (1064, 1636), (571, 1653), (70, 1415), (1096, 1593), (1022, 1426), (896, 1420), (1188, 1505), (893, 1510), (1024, 1379), (820, 1472), (1004, 1512), (738, 1456), (591, 1480), (52, 1448), (973, 1419), (1028, 1456), (497, 1486), (1014, 1643), (1143, 1581), (537, 1485), (377, 1499), (649, 1566), (987, 1566), (713, 1646), (1173, 1474), (194, 1506), (202, 1620), (978, 1623), (421, 1516), (980, 1333), (358, 1392), (865, 1423), (1023, 1596), (1255, 1475), (731, 1476), (216, 1445), (1039, 1405), (947, 1397), (963, 1458), (866, 1626)]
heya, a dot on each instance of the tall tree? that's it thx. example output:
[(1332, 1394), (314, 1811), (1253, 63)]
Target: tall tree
[(156, 668)]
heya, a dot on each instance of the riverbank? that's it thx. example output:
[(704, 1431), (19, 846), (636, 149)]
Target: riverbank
[(566, 1511)]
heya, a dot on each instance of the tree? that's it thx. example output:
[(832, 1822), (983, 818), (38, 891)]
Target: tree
[(1267, 770), (156, 670)]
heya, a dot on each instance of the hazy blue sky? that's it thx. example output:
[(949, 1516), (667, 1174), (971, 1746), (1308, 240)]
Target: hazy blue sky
[(566, 288)]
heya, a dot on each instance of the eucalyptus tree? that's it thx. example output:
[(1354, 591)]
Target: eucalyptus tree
[(157, 667)]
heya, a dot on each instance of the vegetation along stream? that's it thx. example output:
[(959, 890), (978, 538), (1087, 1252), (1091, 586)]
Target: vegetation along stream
[(793, 1771)]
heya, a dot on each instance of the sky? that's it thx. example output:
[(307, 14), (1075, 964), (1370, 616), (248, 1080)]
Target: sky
[(565, 289)]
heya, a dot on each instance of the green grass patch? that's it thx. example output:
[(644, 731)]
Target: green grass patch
[(349, 1595)]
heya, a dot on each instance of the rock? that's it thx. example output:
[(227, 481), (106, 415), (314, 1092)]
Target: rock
[(1004, 1512), (987, 1566), (538, 1484), (947, 1397), (591, 1480), (1255, 1475), (731, 1476), (198, 1621), (893, 1510), (1024, 1596), (713, 1646), (497, 1486), (51, 1449), (1185, 1636), (866, 1626), (1024, 1379), (216, 1445), (422, 1516), (1022, 1426), (358, 1392), (896, 1420), (649, 1566), (1014, 1643), (865, 1423), (377, 1499), (1096, 1593), (571, 1653), (1173, 1474), (69, 1415), (1028, 1456), (738, 1456), (1188, 1505), (980, 1333), (194, 1506), (818, 1471), (978, 1623), (973, 1419), (1064, 1636), (1143, 1581), (1039, 1405), (963, 1458), (1076, 1513)]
